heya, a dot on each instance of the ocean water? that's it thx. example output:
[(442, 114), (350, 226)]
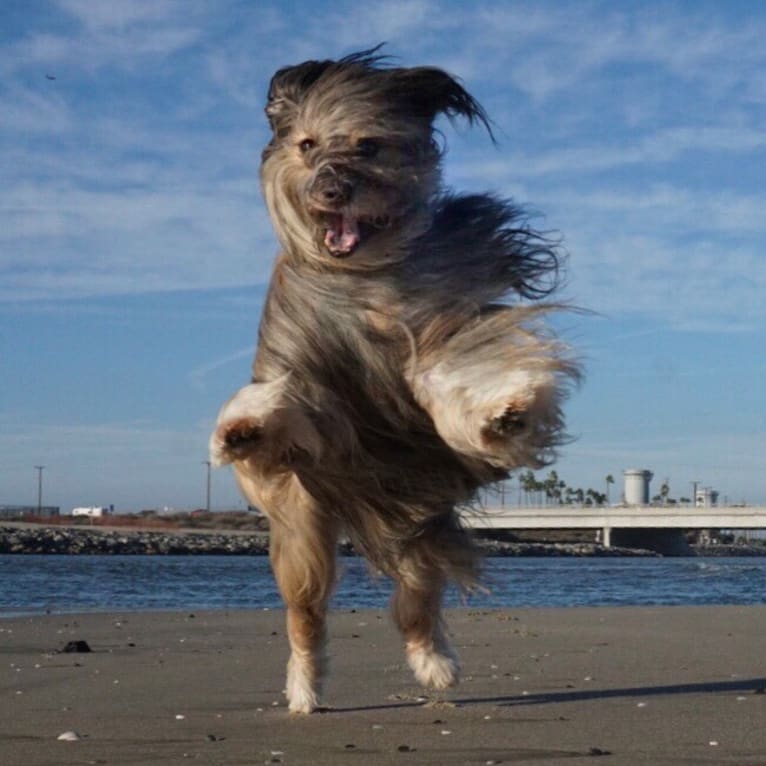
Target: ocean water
[(37, 584)]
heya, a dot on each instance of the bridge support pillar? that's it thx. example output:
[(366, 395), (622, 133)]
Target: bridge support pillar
[(606, 537)]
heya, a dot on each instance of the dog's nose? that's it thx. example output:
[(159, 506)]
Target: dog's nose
[(331, 189)]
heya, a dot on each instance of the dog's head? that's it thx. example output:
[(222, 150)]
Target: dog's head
[(352, 165)]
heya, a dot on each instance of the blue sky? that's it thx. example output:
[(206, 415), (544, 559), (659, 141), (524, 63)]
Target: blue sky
[(134, 246)]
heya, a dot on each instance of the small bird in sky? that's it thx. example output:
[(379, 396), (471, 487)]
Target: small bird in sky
[(50, 77)]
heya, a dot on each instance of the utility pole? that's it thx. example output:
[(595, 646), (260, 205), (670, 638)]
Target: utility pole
[(207, 495), (39, 469)]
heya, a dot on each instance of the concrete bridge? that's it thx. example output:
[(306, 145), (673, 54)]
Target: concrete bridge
[(611, 518)]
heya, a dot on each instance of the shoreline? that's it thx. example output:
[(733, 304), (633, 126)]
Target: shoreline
[(33, 539), (659, 685)]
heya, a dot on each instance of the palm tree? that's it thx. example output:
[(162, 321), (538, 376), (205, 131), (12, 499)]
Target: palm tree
[(609, 480), (665, 491), (528, 483), (550, 485)]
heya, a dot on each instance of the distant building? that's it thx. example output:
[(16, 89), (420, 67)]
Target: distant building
[(91, 510), (19, 511), (706, 497)]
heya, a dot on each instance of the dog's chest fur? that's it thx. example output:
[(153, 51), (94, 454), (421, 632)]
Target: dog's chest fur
[(338, 334)]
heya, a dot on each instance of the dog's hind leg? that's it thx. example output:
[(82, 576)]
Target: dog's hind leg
[(416, 608), (303, 559)]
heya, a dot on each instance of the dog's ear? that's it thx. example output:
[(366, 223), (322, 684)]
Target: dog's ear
[(428, 92), (287, 89)]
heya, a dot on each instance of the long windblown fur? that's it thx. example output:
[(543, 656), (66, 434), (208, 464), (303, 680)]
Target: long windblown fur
[(402, 362)]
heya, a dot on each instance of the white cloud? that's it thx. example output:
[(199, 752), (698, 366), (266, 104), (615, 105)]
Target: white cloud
[(121, 35), (101, 16), (683, 209), (549, 47), (198, 376), (27, 111), (81, 242), (647, 274), (656, 148)]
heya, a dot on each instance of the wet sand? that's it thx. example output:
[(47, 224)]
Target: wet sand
[(541, 686)]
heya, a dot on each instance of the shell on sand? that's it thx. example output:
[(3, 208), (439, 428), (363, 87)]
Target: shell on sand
[(69, 736)]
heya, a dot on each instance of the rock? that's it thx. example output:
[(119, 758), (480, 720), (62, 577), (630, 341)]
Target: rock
[(76, 647)]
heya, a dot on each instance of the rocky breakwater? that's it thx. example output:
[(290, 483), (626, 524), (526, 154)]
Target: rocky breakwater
[(75, 540), (507, 549), (33, 539)]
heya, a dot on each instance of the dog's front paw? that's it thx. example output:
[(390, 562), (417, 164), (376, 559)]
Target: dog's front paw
[(495, 389), (511, 422), (524, 425), (234, 440), (242, 421), (260, 419), (506, 417)]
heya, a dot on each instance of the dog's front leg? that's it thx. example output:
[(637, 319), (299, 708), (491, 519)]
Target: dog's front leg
[(494, 391), (261, 422)]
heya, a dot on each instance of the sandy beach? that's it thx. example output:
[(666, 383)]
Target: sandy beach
[(542, 686)]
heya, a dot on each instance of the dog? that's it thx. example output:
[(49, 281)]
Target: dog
[(403, 359)]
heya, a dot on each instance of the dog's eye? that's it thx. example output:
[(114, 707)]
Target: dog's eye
[(307, 145), (367, 148)]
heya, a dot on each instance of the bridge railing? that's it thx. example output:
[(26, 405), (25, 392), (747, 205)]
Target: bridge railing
[(617, 517)]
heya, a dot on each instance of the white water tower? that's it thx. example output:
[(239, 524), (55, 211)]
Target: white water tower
[(637, 486)]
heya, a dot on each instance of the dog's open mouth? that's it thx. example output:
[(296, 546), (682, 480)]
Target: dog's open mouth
[(344, 233)]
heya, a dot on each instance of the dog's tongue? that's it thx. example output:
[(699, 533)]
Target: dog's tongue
[(342, 236)]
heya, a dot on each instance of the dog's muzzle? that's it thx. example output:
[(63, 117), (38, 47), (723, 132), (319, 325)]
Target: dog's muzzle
[(344, 225), (331, 192)]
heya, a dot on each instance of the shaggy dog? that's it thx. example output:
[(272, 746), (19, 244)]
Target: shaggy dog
[(402, 362)]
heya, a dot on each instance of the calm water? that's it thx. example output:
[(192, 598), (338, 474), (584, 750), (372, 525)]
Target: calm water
[(86, 583)]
